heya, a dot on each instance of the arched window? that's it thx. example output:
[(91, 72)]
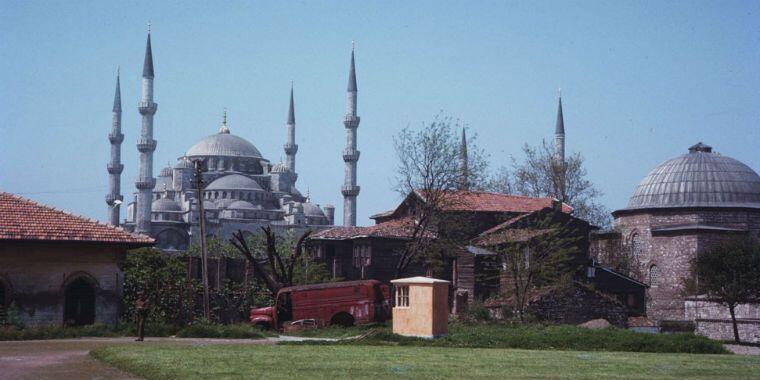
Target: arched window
[(653, 275), (79, 303), (224, 194), (637, 246)]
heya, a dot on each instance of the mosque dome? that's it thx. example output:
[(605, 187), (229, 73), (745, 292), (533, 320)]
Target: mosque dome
[(223, 144), (234, 182), (183, 163), (166, 172), (165, 204), (700, 178), (243, 205), (280, 168), (311, 209)]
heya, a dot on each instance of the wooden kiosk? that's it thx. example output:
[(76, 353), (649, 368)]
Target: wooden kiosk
[(421, 308)]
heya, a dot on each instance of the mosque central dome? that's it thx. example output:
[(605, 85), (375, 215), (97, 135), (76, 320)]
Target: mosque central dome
[(699, 178), (223, 144)]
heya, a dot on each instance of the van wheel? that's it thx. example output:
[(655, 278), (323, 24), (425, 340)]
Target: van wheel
[(342, 319)]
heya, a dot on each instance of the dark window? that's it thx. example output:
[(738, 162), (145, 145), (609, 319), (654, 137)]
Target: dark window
[(653, 275), (79, 307)]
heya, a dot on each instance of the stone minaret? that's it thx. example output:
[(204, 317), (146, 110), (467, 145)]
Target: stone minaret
[(464, 168), (350, 155), (146, 145), (291, 148), (114, 198), (559, 150)]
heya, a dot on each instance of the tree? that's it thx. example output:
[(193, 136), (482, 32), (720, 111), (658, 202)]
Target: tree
[(543, 256), (729, 273), (271, 266), (540, 175), (433, 163)]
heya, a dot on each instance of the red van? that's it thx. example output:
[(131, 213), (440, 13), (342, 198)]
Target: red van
[(336, 303)]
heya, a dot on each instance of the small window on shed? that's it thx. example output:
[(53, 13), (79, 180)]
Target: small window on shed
[(402, 296), (653, 275)]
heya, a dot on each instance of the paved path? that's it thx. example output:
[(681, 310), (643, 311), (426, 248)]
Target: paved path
[(743, 350), (69, 359)]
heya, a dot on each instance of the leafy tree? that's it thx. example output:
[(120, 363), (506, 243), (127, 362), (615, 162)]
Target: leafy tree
[(432, 162), (729, 273), (539, 175), (162, 279), (542, 256)]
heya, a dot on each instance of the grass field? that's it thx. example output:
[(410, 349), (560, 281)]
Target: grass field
[(385, 362)]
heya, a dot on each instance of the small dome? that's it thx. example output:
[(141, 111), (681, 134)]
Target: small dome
[(209, 205), (223, 144), (699, 178), (184, 163), (311, 209), (243, 205), (166, 172), (165, 204), (280, 168), (234, 182)]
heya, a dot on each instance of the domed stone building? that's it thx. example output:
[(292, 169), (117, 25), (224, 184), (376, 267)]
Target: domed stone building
[(682, 207)]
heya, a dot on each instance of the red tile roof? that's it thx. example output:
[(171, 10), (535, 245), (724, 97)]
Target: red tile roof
[(481, 201), (23, 219), (394, 229)]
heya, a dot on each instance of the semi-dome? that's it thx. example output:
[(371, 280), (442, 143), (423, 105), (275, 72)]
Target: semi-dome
[(183, 163), (165, 204), (234, 182), (280, 168), (165, 172), (223, 144), (699, 178), (243, 205)]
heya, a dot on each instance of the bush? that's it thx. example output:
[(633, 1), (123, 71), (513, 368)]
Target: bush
[(57, 332), (552, 338), (209, 330)]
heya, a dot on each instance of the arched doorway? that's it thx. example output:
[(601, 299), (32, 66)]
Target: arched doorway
[(3, 301), (79, 308)]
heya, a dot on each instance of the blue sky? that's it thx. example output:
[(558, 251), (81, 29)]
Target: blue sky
[(641, 81)]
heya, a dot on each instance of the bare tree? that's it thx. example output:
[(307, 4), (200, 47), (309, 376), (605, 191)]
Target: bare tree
[(540, 175), (270, 266), (430, 166)]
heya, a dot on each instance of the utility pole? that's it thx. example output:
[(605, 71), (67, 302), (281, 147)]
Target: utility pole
[(202, 221)]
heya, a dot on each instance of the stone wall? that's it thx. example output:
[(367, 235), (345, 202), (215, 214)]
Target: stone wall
[(713, 320), (578, 304), (37, 275)]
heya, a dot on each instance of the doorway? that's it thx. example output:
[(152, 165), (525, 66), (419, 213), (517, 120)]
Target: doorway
[(79, 308)]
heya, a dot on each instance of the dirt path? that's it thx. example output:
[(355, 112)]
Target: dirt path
[(69, 359)]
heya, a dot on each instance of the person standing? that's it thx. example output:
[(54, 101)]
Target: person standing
[(141, 311)]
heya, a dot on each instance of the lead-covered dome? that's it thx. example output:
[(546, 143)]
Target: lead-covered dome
[(223, 144), (234, 182), (699, 178)]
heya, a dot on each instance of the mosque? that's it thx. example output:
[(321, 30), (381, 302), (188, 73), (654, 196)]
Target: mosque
[(240, 189)]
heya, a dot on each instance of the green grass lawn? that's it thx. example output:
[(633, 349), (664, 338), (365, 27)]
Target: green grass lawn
[(386, 362)]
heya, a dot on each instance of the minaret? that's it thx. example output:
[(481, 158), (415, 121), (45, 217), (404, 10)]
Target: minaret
[(114, 198), (350, 155), (146, 145), (464, 169), (559, 149), (291, 148)]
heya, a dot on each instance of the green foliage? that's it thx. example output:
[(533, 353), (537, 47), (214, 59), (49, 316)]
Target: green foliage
[(204, 329), (11, 317), (56, 332), (162, 278), (477, 312), (536, 337)]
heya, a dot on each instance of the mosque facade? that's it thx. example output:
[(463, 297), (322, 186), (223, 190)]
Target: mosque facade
[(240, 189)]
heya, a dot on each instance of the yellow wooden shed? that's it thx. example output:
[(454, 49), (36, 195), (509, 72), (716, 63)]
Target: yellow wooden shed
[(421, 308)]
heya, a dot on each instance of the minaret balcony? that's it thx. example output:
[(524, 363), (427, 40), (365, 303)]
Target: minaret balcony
[(145, 183), (350, 155), (115, 168), (350, 191), (116, 138), (147, 108), (146, 145), (111, 199), (351, 121), (290, 148)]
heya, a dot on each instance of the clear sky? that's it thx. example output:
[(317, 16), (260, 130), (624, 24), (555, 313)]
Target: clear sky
[(641, 82)]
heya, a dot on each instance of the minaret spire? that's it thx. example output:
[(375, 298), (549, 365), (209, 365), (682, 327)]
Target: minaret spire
[(146, 145), (464, 169), (291, 148), (350, 155), (559, 149), (114, 167)]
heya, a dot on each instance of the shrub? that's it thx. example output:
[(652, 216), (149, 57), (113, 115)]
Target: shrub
[(56, 332), (204, 329)]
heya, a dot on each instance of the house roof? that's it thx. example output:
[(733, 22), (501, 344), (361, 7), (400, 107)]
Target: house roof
[(26, 220), (402, 228), (481, 201), (510, 236)]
